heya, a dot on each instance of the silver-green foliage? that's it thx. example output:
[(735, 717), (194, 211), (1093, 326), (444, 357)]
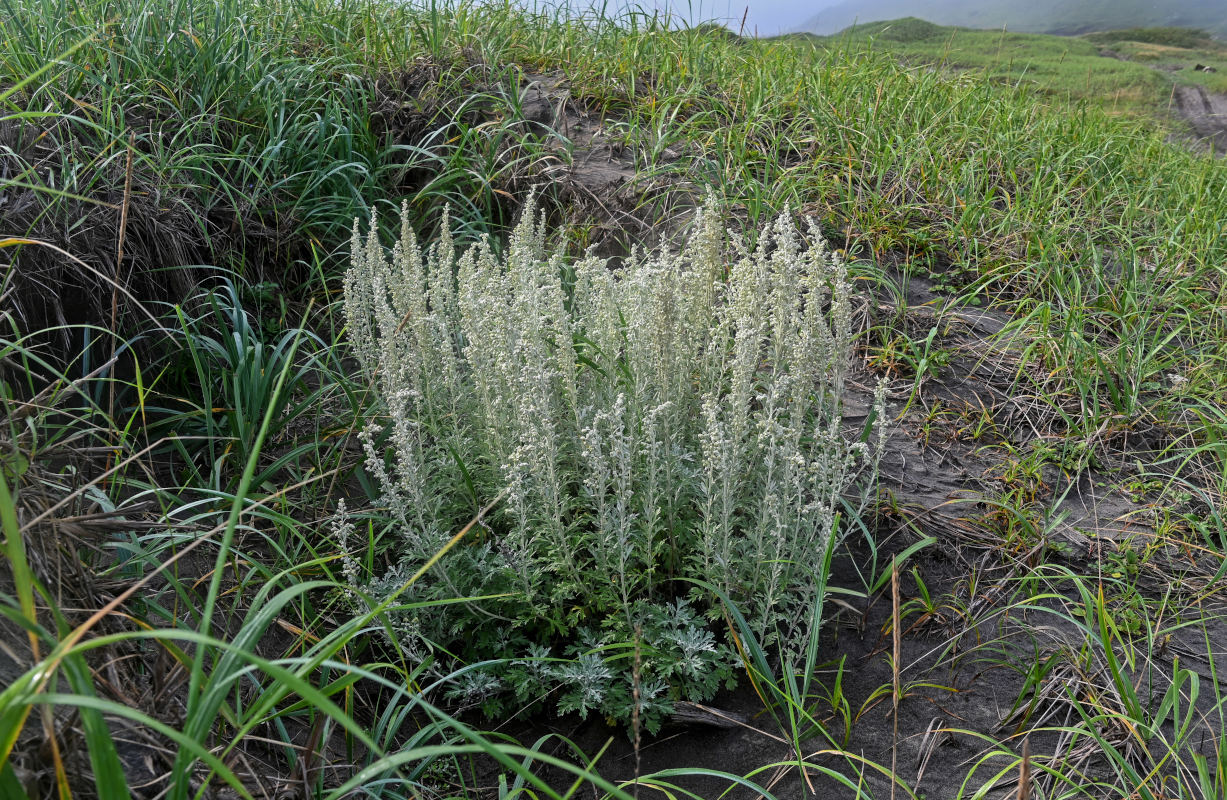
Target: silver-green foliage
[(673, 418)]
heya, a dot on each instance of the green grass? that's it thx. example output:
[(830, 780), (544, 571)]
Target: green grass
[(181, 410), (1185, 38), (1064, 68)]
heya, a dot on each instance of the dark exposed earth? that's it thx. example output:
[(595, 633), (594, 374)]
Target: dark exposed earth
[(1206, 114)]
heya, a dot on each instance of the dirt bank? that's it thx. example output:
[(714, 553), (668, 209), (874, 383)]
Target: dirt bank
[(1206, 113)]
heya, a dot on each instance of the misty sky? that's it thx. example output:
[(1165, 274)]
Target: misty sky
[(767, 17)]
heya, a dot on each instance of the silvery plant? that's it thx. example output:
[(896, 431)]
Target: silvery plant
[(670, 421)]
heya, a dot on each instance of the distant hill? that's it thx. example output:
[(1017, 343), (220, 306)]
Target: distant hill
[(1034, 16)]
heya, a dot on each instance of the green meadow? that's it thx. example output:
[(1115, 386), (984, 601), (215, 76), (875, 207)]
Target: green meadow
[(463, 401), (1125, 72)]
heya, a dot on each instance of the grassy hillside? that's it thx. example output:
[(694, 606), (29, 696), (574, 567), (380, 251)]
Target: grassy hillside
[(300, 495), (1122, 71), (1042, 16)]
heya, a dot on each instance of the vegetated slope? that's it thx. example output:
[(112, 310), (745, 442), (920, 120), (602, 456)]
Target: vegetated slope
[(1139, 71), (1094, 378), (1041, 16)]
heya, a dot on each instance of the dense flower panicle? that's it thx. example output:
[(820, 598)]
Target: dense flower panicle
[(675, 417), (344, 533)]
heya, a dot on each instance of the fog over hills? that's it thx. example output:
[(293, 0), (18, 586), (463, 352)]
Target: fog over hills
[(1038, 16)]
